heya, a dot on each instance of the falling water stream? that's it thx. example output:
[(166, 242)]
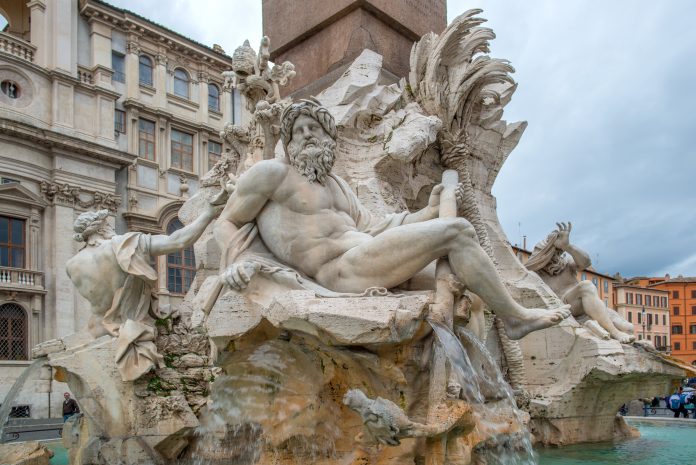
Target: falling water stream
[(16, 388), (475, 380)]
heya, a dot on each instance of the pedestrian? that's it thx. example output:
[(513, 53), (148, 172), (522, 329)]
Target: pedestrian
[(70, 407), (677, 403)]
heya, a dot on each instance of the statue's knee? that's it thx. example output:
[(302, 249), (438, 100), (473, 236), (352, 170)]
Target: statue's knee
[(459, 228), (586, 287)]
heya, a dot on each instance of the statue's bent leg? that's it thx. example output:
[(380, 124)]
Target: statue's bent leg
[(585, 294), (393, 256), (397, 254)]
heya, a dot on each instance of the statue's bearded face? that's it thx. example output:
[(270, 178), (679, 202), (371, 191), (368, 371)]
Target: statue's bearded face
[(311, 149)]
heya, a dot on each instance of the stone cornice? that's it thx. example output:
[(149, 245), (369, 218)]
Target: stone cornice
[(135, 24), (54, 140)]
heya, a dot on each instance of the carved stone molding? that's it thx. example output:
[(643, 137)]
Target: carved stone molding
[(133, 47), (72, 196)]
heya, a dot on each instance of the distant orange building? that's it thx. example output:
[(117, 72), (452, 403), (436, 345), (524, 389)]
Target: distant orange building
[(682, 296), (648, 309)]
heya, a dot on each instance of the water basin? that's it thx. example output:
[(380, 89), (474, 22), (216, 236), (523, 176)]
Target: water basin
[(661, 443)]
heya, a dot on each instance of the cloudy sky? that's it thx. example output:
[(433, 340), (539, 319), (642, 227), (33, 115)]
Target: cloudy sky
[(608, 91)]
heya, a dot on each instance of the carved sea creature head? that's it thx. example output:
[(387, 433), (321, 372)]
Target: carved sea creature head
[(91, 224), (308, 132), (355, 399)]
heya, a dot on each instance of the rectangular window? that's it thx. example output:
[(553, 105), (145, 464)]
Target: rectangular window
[(692, 329), (650, 319), (630, 317), (649, 337), (12, 242), (693, 345), (214, 153), (639, 299), (606, 285), (120, 121), (664, 320), (693, 309), (118, 64), (675, 294), (629, 298), (640, 317), (182, 150), (693, 294), (146, 139), (664, 302), (677, 346), (675, 309), (648, 301), (677, 329), (658, 340)]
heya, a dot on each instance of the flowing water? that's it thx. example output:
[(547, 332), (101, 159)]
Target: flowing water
[(16, 388), (501, 449)]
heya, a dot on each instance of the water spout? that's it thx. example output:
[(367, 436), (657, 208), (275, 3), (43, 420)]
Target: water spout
[(6, 407)]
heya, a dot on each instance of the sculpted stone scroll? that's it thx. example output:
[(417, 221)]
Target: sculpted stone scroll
[(308, 219), (114, 274), (559, 270)]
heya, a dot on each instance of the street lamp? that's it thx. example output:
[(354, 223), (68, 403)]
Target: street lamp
[(642, 312)]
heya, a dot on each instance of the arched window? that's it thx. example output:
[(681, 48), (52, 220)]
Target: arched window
[(181, 265), (181, 83), (145, 70), (13, 333), (213, 97)]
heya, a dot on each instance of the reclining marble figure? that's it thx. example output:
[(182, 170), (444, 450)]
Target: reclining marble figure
[(114, 274), (550, 261), (310, 220)]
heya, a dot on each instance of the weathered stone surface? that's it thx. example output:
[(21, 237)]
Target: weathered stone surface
[(24, 453), (350, 320), (577, 386)]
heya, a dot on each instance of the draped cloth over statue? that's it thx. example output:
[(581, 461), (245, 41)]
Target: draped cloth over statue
[(247, 245), (134, 307)]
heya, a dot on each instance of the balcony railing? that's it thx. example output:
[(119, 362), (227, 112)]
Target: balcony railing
[(17, 47), (21, 278)]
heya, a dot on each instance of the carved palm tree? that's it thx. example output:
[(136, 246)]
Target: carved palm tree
[(451, 77)]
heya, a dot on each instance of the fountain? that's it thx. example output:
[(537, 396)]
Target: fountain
[(356, 301)]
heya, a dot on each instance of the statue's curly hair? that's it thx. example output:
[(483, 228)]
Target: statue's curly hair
[(311, 108), (89, 223)]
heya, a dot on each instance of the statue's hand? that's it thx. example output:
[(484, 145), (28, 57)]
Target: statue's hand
[(238, 275), (434, 201), (563, 240)]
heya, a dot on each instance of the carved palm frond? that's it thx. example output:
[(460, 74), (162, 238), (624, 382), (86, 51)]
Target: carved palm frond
[(450, 76)]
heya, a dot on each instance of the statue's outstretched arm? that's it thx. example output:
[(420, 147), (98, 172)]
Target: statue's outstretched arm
[(162, 244)]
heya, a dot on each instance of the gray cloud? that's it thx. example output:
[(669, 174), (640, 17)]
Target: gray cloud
[(608, 95), (607, 90)]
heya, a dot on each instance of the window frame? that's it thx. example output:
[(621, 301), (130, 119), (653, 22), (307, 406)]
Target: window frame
[(147, 140), (186, 81), (119, 75), (119, 120), (216, 107), (680, 331), (140, 70), (180, 152), (178, 285), (217, 156), (10, 245), (24, 338)]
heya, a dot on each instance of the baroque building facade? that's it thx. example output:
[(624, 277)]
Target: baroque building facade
[(99, 108)]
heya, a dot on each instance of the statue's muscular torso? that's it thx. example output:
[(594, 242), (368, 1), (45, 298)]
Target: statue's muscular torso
[(96, 261), (304, 224), (563, 281)]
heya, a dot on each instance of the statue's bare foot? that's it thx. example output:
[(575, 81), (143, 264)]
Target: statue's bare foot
[(623, 326), (622, 337), (533, 319)]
